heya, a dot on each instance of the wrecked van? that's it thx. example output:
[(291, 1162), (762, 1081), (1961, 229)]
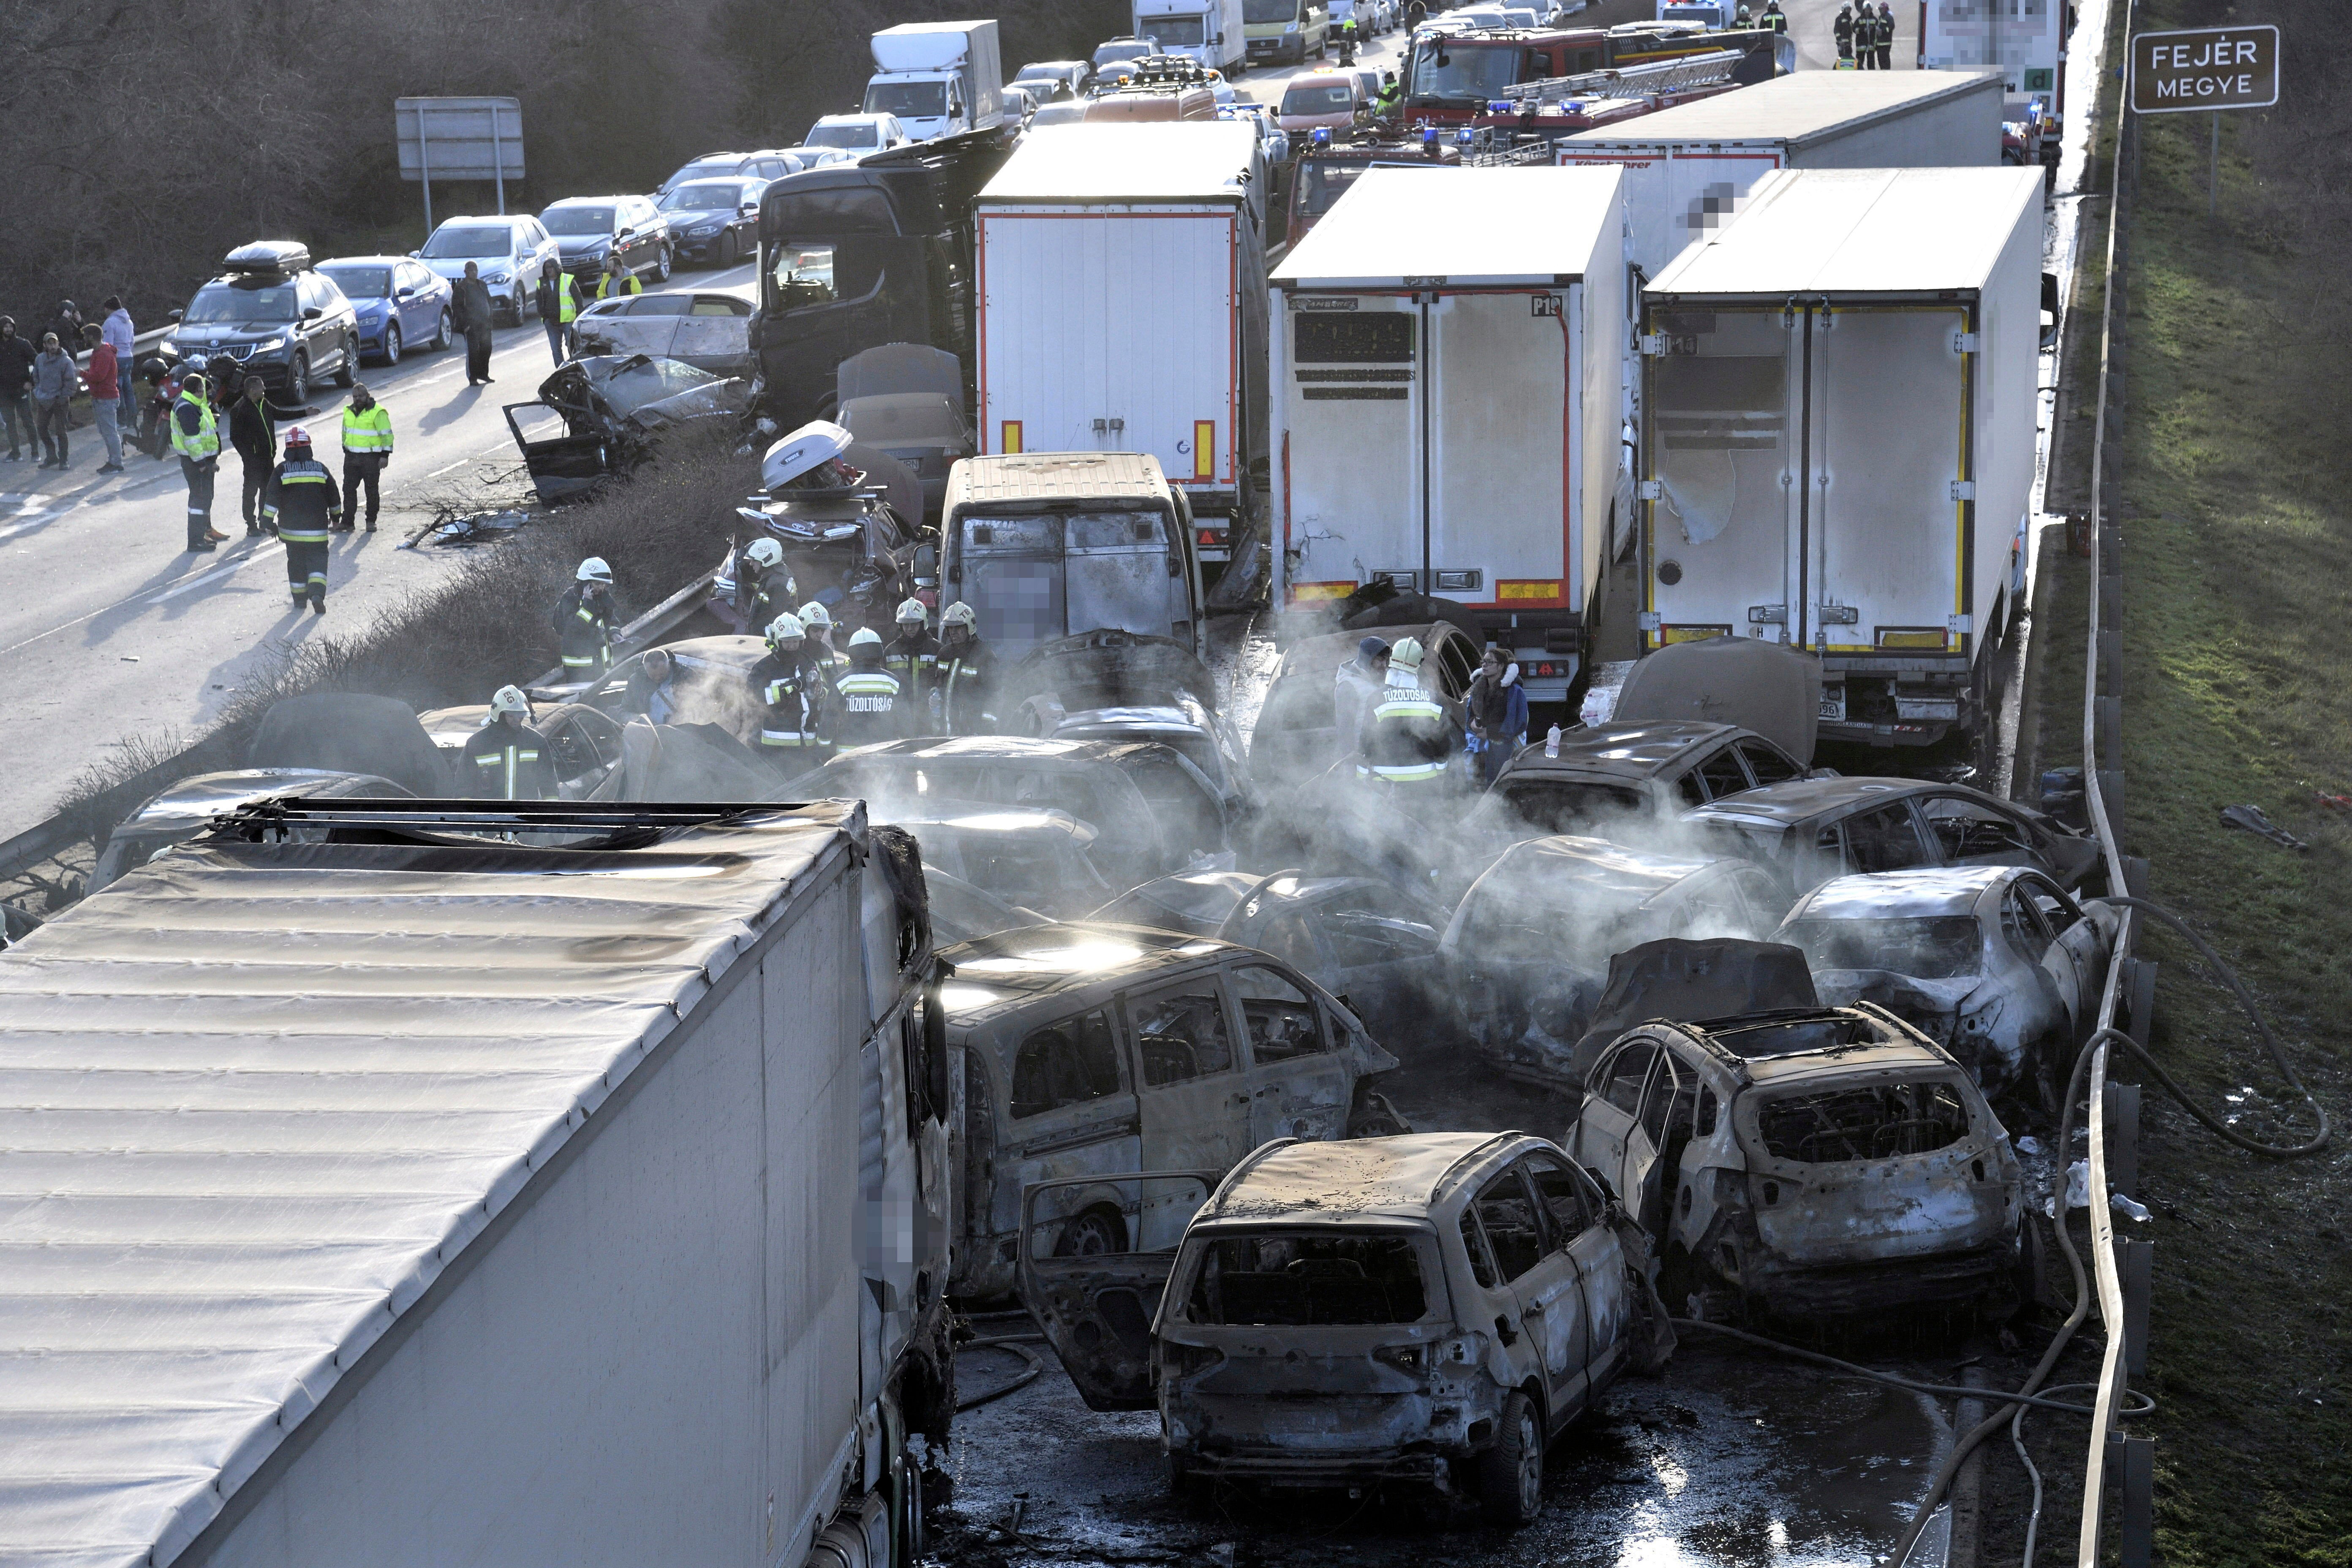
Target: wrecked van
[(1427, 1311), (1095, 1050), (1808, 1163)]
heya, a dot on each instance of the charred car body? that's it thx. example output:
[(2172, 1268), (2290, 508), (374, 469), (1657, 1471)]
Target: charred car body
[(615, 411), (1124, 686), (1099, 1051), (1606, 775), (1033, 859), (1809, 830), (1995, 963), (1809, 1162)]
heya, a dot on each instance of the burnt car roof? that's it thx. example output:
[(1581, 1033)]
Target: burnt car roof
[(1633, 749), (1793, 801), (1021, 749), (1015, 968), (1907, 895), (1333, 1182), (1802, 1042), (1595, 865), (980, 816)]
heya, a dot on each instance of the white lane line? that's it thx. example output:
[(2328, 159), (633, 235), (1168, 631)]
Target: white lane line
[(447, 466), (190, 585)]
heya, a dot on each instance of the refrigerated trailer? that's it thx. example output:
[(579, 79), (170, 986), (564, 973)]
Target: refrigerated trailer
[(1689, 168), (1122, 300), (1839, 442), (1448, 359), (533, 1184)]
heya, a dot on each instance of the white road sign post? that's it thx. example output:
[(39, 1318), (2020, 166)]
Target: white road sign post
[(458, 139)]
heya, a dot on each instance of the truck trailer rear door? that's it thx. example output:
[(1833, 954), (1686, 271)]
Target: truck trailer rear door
[(1352, 470), (1500, 442)]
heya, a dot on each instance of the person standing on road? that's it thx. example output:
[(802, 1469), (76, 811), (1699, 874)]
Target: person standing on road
[(1885, 35), (255, 435), (68, 326), (195, 437), (967, 676), (790, 693), (367, 450), (1842, 29), (617, 280), (53, 390), (1498, 712), (1773, 20), (1415, 14), (1385, 101), (818, 622), (1354, 689), (16, 357), (559, 307), (104, 377), (582, 618), (913, 657), (120, 332), (1407, 742), (868, 710), (476, 318), (300, 503), (507, 759)]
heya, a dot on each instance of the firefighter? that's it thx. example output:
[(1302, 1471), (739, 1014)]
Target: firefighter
[(507, 759), (1773, 20), (299, 504), (791, 691), (1407, 739), (959, 704), (1842, 29), (195, 437), (1360, 682), (1885, 36), (584, 619), (763, 589), (867, 708), (818, 620), (913, 655)]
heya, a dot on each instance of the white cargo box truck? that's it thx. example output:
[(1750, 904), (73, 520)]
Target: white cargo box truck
[(1839, 448), (940, 78), (578, 1199), (1122, 300), (1449, 355), (1689, 168), (1209, 31)]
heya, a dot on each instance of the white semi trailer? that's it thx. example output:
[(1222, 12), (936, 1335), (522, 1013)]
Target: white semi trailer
[(555, 1184), (1838, 445)]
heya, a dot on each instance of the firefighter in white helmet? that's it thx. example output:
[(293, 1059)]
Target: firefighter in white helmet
[(764, 588), (507, 759), (867, 707), (814, 616), (961, 704), (791, 691), (913, 655), (1408, 737), (583, 618)]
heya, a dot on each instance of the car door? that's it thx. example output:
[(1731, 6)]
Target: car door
[(412, 299), (1613, 1100), (322, 328), (1070, 1110), (1571, 1208), (1191, 1087), (2081, 938), (1542, 1322), (1665, 1094), (1381, 962), (1971, 832), (1299, 1086), (2057, 980), (1096, 1310)]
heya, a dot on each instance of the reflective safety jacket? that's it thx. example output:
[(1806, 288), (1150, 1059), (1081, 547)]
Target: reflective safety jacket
[(613, 283), (791, 691), (761, 596), (504, 760), (300, 501), (368, 434), (559, 301), (1407, 739), (967, 684), (867, 708), (584, 619), (914, 658), (196, 434)]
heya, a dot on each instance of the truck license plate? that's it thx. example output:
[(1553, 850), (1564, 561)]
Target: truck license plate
[(1833, 703)]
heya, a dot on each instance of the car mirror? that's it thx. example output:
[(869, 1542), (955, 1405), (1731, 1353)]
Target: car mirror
[(414, 254), (406, 293), (927, 562), (176, 315), (313, 313)]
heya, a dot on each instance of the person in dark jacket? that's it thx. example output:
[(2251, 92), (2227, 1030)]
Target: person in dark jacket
[(507, 759), (582, 618), (872, 702), (255, 435), (558, 304), (764, 587), (962, 703), (16, 357), (300, 502), (1355, 686), (476, 318), (1774, 19), (913, 655), (1496, 709), (1885, 36), (54, 381), (791, 689), (1842, 29), (650, 692)]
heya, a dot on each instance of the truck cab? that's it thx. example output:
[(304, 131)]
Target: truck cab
[(1208, 32), (1044, 545), (1285, 29)]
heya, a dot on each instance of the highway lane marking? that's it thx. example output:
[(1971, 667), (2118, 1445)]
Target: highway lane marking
[(179, 587), (188, 584)]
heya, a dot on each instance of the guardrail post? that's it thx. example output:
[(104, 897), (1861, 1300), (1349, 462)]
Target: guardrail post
[(2109, 713), (2134, 875), (2123, 1138), (2132, 1461), (2139, 995), (2111, 663), (2136, 1263), (2111, 791), (2111, 602)]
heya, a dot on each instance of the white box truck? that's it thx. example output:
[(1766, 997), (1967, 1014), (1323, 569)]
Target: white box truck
[(1121, 276), (1689, 168), (547, 1184), (2026, 46), (940, 78), (1209, 31), (1448, 359), (1839, 448)]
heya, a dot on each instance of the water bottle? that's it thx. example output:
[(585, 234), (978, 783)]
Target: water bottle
[(1551, 742)]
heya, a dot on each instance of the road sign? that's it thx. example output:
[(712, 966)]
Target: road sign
[(458, 139), (2204, 68)]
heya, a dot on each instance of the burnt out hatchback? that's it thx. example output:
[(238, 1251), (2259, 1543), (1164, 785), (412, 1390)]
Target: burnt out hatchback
[(1809, 1162)]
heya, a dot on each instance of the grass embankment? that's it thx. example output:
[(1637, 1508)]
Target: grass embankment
[(2236, 529)]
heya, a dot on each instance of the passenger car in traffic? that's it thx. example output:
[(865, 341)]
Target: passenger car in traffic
[(507, 254), (852, 136), (270, 313), (399, 304), (1098, 1050), (709, 331), (1995, 963), (1285, 29), (591, 230), (1426, 1309), (1627, 774), (1054, 81), (1809, 1163), (1809, 830), (713, 222), (774, 164), (1526, 956), (1320, 101)]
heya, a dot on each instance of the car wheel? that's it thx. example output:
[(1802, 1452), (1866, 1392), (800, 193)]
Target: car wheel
[(442, 335), (347, 371), (297, 381), (391, 343), (726, 250), (1093, 1234), (661, 264), (519, 304), (1510, 1473)]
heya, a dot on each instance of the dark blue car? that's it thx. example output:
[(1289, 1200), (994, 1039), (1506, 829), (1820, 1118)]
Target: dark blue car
[(402, 304)]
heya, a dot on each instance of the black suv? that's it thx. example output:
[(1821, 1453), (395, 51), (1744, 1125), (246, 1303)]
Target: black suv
[(270, 314)]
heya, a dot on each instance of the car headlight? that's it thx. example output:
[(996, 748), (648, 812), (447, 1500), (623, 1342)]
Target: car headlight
[(700, 229), (500, 276), (270, 346)]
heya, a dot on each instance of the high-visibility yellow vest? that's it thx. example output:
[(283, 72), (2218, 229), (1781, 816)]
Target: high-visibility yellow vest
[(368, 431), (627, 281), (205, 442), (567, 302)]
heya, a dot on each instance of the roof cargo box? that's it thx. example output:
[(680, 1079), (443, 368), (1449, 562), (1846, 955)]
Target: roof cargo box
[(269, 256)]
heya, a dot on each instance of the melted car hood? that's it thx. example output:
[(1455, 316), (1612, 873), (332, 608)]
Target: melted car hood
[(1773, 691)]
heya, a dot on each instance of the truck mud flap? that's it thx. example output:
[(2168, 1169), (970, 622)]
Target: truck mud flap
[(1096, 1309)]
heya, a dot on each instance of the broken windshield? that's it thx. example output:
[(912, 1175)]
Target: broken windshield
[(1880, 1122), (1303, 1278), (1937, 947)]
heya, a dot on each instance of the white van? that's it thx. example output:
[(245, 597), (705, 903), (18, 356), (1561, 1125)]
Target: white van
[(1209, 31)]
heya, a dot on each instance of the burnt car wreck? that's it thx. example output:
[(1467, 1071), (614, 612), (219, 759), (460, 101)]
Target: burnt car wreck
[(616, 412)]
